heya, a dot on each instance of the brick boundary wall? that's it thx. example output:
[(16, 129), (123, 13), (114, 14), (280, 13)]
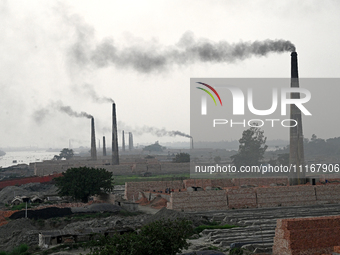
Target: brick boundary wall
[(306, 236)]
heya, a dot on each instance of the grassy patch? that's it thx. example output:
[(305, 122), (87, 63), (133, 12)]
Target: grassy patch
[(20, 207), (199, 229)]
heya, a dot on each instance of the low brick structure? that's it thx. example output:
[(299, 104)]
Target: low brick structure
[(307, 236)]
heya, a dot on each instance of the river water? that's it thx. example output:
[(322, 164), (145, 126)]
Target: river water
[(25, 157)]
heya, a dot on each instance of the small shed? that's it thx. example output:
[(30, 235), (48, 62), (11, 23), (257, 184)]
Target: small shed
[(17, 200)]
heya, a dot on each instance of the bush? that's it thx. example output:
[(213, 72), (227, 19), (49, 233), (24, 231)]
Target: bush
[(160, 237), (236, 251), (20, 207), (182, 157)]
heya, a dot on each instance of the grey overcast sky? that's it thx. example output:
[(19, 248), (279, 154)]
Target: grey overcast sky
[(83, 53)]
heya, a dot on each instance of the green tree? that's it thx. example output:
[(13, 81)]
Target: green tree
[(82, 182), (64, 153), (159, 237), (217, 159), (182, 157), (251, 149)]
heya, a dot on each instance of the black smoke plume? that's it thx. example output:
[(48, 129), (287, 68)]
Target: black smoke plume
[(94, 96), (41, 114), (159, 132), (159, 58)]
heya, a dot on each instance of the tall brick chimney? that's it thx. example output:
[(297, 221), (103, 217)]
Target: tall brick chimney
[(296, 150), (93, 141), (115, 156), (130, 141), (104, 147), (123, 141)]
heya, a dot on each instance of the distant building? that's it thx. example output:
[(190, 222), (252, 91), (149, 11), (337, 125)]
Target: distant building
[(154, 147)]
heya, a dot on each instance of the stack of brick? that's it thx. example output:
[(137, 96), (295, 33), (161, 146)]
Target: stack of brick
[(306, 236), (222, 183), (261, 181), (327, 194), (132, 189), (285, 196), (198, 201), (202, 183), (241, 198)]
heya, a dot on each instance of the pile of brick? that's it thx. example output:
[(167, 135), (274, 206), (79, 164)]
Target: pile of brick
[(336, 251), (241, 198), (158, 202), (285, 196), (63, 205), (261, 181), (4, 215), (132, 189), (307, 236), (143, 200), (328, 194), (198, 201)]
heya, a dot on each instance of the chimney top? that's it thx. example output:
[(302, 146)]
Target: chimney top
[(293, 54)]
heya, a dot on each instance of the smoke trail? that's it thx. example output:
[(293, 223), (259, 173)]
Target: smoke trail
[(159, 132), (95, 97), (68, 110), (41, 114), (159, 58)]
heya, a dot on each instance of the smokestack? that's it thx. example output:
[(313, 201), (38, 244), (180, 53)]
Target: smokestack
[(115, 156), (93, 141), (104, 147), (296, 150), (192, 143), (123, 141), (130, 141)]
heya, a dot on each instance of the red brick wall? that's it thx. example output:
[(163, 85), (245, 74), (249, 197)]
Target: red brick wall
[(306, 236)]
